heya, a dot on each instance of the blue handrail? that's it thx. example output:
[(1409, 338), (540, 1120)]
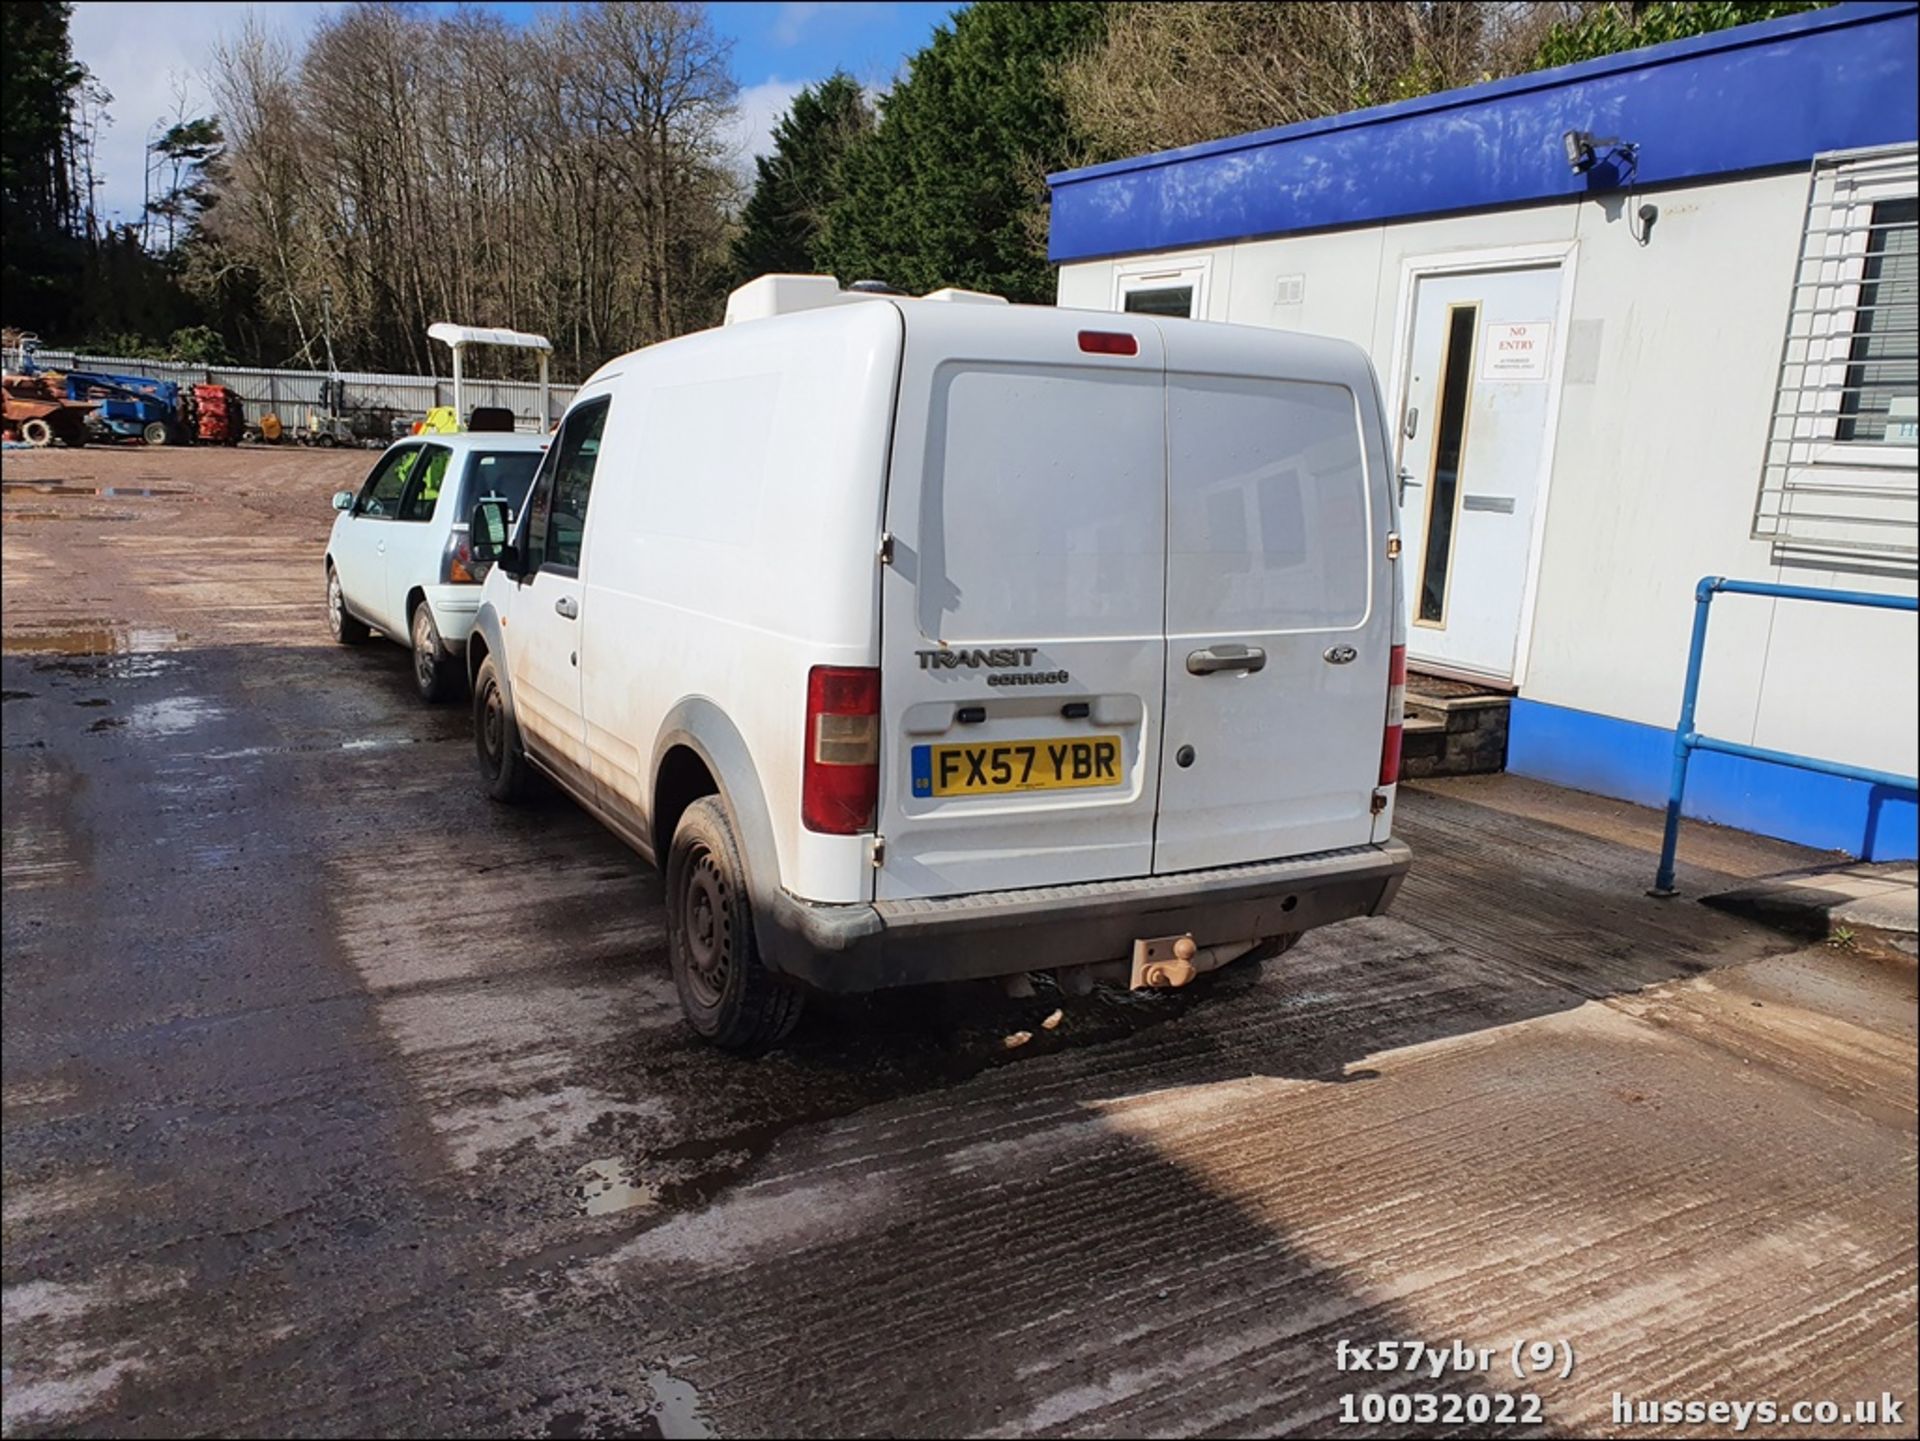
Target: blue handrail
[(1687, 740)]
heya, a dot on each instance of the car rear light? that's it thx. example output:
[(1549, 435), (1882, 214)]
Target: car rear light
[(1396, 716), (460, 561), (842, 776), (1108, 342)]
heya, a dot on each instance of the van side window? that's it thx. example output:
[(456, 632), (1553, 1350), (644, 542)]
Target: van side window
[(559, 515)]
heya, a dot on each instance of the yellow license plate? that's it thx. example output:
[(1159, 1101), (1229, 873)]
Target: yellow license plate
[(993, 767)]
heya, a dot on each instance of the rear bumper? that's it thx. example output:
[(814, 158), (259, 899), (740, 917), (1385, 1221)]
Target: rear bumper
[(454, 607), (903, 943)]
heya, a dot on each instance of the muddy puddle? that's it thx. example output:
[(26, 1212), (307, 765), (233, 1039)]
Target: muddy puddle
[(102, 492), (96, 648)]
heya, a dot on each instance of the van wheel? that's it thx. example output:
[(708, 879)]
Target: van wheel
[(1269, 948), (497, 738), (727, 995), (340, 622), (433, 673)]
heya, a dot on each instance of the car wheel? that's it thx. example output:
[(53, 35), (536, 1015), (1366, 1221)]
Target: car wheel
[(433, 668), (496, 738), (727, 995), (340, 621)]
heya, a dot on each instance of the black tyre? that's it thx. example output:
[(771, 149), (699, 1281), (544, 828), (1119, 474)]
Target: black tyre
[(728, 997), (496, 739), (340, 621), (1269, 948), (157, 432), (435, 675)]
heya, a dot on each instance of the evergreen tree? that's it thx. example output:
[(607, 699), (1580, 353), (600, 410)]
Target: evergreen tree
[(781, 225), (37, 201), (951, 190)]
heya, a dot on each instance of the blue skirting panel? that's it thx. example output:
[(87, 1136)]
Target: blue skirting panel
[(1633, 762)]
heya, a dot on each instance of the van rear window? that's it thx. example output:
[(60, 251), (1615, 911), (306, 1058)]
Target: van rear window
[(1042, 505), (1267, 506)]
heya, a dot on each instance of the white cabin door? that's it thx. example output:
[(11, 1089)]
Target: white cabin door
[(1481, 371)]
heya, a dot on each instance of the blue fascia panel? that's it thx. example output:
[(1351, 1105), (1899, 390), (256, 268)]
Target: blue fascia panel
[(1632, 762), (1756, 97)]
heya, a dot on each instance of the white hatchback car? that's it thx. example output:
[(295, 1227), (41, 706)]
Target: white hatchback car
[(398, 559)]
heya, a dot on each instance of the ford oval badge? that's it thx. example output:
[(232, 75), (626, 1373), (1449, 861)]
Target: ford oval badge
[(1340, 654)]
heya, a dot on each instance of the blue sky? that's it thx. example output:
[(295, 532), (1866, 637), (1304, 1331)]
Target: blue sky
[(144, 53)]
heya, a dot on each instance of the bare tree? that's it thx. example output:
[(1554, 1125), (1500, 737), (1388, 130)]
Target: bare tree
[(1178, 74), (569, 177)]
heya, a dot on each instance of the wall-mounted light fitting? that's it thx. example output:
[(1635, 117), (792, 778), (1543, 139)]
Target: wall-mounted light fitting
[(1583, 149)]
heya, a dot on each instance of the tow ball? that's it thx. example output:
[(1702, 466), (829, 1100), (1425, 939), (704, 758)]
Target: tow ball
[(1169, 962)]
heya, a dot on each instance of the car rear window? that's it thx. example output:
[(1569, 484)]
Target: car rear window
[(1266, 506), (499, 475)]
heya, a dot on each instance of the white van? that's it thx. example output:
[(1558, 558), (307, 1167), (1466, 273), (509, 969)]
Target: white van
[(930, 639)]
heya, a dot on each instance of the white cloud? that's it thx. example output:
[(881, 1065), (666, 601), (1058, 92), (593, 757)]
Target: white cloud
[(141, 52), (794, 17), (761, 106)]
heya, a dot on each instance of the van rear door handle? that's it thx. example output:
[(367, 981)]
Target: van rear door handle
[(1248, 658), (568, 606)]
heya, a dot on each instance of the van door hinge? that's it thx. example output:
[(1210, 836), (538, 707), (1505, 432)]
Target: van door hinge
[(886, 547), (879, 852), (1393, 547)]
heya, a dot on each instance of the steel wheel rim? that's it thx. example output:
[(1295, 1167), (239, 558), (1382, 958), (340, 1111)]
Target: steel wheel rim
[(423, 661), (704, 929), (493, 725)]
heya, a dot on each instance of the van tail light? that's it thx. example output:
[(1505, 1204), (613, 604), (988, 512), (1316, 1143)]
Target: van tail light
[(842, 778), (1396, 716), (1108, 342), (460, 560)]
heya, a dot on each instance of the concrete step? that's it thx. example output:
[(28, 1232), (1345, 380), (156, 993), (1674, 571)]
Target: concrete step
[(1453, 729)]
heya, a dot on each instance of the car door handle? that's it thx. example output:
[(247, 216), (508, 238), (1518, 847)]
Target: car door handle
[(1248, 658), (568, 606)]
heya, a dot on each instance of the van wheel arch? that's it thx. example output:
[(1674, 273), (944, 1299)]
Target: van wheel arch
[(682, 777), (701, 729), (476, 655)]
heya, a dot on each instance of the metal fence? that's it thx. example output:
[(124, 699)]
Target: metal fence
[(378, 404)]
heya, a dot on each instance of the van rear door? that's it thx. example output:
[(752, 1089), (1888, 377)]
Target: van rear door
[(1279, 598), (1021, 610)]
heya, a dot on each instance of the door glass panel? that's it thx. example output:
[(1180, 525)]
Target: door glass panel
[(423, 489), (1456, 388), (1267, 513), (1161, 300), (380, 497), (566, 480), (1043, 504)]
